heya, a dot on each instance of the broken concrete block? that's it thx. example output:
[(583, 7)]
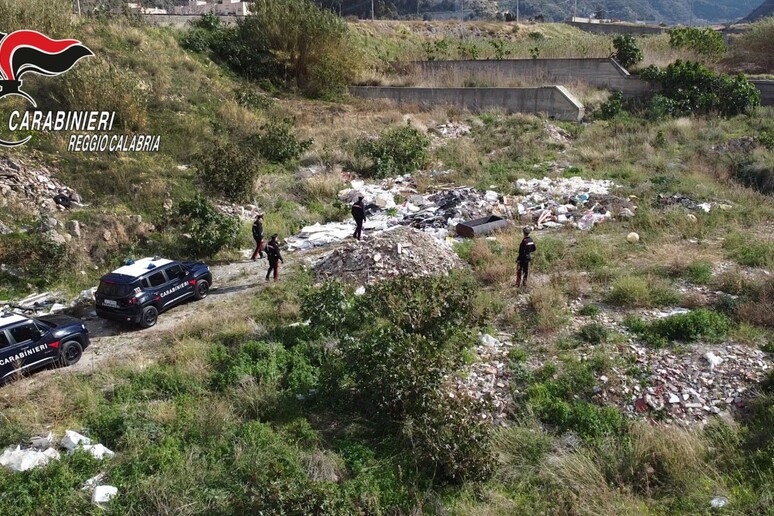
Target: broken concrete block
[(103, 494), (72, 440)]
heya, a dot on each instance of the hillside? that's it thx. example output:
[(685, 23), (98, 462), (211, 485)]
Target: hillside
[(408, 372), (658, 11), (764, 10)]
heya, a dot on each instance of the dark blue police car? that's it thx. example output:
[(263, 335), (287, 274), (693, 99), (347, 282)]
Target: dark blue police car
[(140, 290), (28, 343)]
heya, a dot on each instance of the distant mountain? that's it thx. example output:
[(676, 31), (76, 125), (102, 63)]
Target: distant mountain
[(655, 11), (765, 9)]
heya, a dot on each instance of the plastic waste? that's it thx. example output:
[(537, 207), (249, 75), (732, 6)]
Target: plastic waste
[(586, 222), (98, 451), (16, 459), (72, 440), (713, 360), (718, 502), (103, 494)]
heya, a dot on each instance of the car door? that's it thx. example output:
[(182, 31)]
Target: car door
[(7, 351), (26, 351), (183, 281)]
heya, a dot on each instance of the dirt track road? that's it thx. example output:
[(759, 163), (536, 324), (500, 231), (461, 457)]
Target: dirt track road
[(114, 341)]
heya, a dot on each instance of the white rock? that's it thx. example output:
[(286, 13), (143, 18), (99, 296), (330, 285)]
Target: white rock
[(103, 494), (98, 451), (632, 238), (72, 440), (674, 398), (713, 360)]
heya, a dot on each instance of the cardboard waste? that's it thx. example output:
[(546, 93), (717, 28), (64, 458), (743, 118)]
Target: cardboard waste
[(398, 251)]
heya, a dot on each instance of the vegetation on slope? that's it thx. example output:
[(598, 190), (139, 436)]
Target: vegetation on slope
[(251, 409)]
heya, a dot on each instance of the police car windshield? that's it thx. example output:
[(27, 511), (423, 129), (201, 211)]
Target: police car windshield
[(109, 288)]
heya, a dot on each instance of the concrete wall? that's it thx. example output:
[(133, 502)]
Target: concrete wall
[(554, 101), (767, 92), (615, 28), (601, 73)]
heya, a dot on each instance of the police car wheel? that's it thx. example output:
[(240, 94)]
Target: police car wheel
[(71, 353), (149, 316), (202, 289)]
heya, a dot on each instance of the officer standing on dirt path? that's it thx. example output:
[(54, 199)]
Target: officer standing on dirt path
[(274, 256), (526, 248), (258, 236), (358, 213)]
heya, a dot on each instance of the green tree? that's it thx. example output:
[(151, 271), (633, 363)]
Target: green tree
[(627, 52), (705, 41)]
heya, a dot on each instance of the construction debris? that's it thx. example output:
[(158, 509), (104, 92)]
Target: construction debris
[(103, 494), (688, 388), (25, 186), (16, 459), (684, 201), (398, 251)]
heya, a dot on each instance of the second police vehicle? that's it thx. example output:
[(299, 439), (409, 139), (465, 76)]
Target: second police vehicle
[(29, 343), (140, 290)]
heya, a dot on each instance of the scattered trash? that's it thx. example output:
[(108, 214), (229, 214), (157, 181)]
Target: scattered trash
[(16, 459), (713, 360), (103, 494), (98, 451), (73, 439), (42, 443), (420, 255), (93, 482), (632, 238), (718, 502), (684, 201)]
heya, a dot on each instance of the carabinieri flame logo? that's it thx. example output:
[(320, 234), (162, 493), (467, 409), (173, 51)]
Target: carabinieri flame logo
[(28, 51)]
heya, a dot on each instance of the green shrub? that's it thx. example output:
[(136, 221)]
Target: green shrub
[(748, 251), (225, 169), (277, 143), (754, 174), (611, 108), (40, 261), (400, 150), (638, 291), (593, 333), (627, 52), (694, 89), (209, 230), (701, 323), (705, 41), (51, 17), (699, 272), (589, 310)]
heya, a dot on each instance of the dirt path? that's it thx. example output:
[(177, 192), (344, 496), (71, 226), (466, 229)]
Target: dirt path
[(112, 341)]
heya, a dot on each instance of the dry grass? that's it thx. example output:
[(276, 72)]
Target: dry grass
[(321, 187), (325, 466), (549, 303)]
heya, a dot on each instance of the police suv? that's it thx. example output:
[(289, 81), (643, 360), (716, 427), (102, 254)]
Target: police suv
[(28, 343), (140, 290)]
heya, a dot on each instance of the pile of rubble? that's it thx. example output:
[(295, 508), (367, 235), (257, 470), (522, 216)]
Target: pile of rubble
[(448, 131), (49, 303), (688, 388), (546, 203), (574, 201), (487, 379), (686, 202), (42, 451), (398, 251), (245, 213), (23, 186)]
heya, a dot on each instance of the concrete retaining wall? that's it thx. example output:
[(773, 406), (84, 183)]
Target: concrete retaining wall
[(600, 73), (767, 92), (614, 28), (554, 101)]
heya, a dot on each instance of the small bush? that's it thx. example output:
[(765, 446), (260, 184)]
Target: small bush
[(589, 310), (40, 261), (701, 323), (277, 143), (401, 150), (699, 272), (209, 230), (593, 333), (549, 305), (758, 309), (611, 108), (627, 52), (747, 251), (692, 89), (705, 41), (225, 169), (637, 291)]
